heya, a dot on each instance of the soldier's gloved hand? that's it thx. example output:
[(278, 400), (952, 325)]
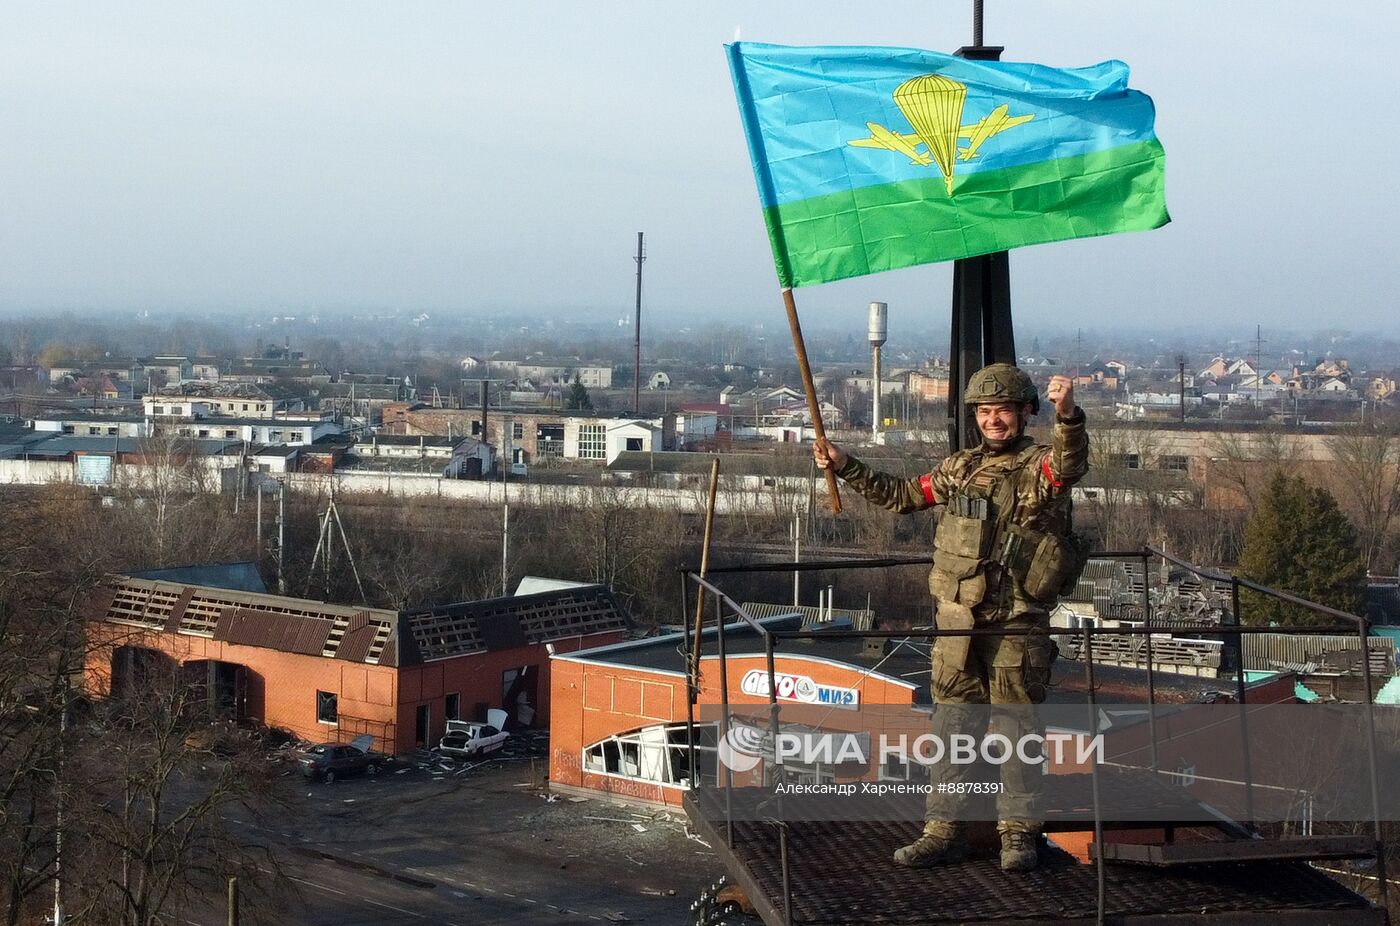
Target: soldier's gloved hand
[(1060, 392), (828, 455)]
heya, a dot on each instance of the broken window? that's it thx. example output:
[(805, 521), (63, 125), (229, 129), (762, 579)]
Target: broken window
[(658, 754), (452, 709), (326, 707), (549, 441)]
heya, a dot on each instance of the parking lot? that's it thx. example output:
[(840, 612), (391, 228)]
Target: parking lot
[(431, 841)]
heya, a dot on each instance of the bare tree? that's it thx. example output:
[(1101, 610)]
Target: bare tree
[(1366, 482), (44, 577), (1243, 462), (168, 510), (152, 832)]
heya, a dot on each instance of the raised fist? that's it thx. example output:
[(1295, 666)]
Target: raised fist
[(1060, 392)]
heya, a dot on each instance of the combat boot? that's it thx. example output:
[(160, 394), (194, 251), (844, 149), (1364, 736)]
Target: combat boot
[(1018, 850), (939, 844)]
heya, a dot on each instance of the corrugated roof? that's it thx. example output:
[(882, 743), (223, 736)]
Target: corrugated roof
[(247, 618), (813, 617), (501, 623), (368, 635)]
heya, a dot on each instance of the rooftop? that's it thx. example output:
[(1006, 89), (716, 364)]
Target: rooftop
[(166, 604), (840, 872), (196, 389), (905, 660), (504, 623)]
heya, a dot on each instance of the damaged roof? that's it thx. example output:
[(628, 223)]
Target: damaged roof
[(503, 623), (292, 625), (369, 635)]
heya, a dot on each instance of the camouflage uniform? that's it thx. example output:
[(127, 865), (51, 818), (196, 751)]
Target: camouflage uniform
[(1023, 485)]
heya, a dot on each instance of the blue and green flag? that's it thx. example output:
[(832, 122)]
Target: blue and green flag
[(872, 159)]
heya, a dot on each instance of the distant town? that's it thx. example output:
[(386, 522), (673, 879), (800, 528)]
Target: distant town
[(313, 583)]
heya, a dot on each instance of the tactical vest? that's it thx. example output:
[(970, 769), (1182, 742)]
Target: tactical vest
[(996, 544)]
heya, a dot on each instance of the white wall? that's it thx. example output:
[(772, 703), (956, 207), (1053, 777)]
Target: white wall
[(749, 498), (36, 472), (617, 437)]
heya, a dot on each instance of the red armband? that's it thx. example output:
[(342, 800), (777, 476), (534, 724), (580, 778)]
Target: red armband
[(1049, 474), (926, 483)]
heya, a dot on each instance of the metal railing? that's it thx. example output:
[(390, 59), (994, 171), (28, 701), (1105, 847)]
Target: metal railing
[(1235, 629)]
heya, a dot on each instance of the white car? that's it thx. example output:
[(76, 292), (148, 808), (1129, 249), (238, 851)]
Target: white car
[(468, 738)]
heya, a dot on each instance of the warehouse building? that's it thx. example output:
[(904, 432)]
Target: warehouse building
[(328, 672)]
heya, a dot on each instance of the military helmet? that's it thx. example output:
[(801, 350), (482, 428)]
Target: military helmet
[(1001, 382)]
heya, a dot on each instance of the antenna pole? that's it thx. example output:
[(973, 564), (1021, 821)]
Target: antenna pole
[(637, 335), (976, 22), (1259, 363)]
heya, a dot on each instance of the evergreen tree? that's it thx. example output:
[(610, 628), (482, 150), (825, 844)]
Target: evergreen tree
[(1300, 542), (578, 396)]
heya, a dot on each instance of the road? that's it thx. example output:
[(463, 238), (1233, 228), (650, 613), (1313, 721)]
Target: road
[(419, 845)]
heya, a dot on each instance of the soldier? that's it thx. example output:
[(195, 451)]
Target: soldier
[(1003, 552)]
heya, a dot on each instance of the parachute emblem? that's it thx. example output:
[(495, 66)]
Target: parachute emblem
[(933, 104)]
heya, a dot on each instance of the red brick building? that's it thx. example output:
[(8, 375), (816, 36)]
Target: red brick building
[(333, 672), (618, 712)]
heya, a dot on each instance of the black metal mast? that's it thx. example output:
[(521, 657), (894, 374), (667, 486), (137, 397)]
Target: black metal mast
[(981, 325)]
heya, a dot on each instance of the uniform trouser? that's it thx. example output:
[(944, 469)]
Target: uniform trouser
[(999, 670)]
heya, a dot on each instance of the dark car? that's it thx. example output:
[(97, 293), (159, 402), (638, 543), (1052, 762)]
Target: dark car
[(329, 761)]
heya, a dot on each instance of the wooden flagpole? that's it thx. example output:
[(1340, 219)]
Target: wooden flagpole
[(704, 571), (812, 407)]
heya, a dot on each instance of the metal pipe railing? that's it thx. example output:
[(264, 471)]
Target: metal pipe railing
[(1236, 630)]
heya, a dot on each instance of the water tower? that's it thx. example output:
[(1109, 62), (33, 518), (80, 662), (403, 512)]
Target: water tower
[(876, 332)]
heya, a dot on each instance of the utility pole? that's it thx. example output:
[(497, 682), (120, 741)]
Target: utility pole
[(796, 554), (281, 537), (637, 335), (324, 541), (485, 407), (505, 508), (1258, 361), (1181, 373)]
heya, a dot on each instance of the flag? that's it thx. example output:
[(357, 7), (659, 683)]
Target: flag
[(871, 159)]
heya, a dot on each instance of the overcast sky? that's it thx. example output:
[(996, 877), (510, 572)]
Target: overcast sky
[(479, 156)]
